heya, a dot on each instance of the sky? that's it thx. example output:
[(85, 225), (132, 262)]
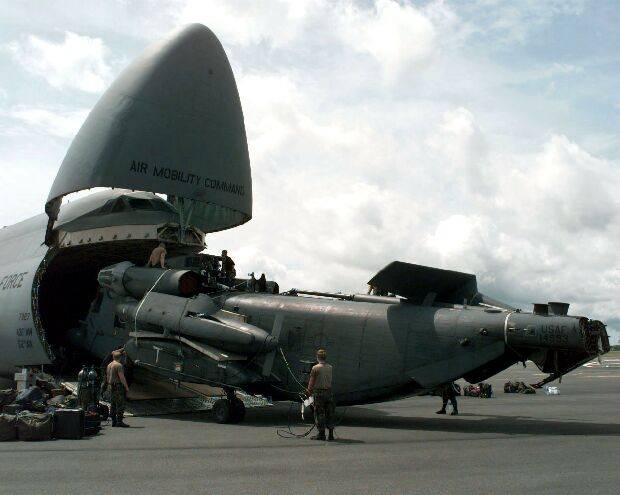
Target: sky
[(480, 136)]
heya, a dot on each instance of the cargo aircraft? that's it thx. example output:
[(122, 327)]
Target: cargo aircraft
[(167, 140)]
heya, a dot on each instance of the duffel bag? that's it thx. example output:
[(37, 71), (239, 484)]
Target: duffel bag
[(8, 431), (486, 390), (27, 396), (34, 426), (7, 397)]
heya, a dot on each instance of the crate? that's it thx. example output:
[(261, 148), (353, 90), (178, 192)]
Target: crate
[(69, 424)]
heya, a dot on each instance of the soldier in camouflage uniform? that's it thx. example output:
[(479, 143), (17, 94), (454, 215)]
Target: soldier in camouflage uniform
[(118, 389), (448, 394), (320, 386)]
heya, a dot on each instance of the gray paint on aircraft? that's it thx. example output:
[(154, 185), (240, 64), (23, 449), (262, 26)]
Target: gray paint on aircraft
[(171, 123)]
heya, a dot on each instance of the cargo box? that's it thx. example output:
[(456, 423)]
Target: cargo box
[(69, 423)]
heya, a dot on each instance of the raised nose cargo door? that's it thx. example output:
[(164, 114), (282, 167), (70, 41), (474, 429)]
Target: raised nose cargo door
[(171, 123)]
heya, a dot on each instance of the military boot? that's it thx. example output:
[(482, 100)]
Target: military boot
[(120, 423), (330, 437), (320, 435), (454, 412), (441, 411)]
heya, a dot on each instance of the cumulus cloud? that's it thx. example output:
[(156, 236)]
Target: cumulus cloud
[(509, 23), (388, 130), (77, 62), (460, 145), (60, 122), (546, 228), (566, 185), (244, 23), (398, 36)]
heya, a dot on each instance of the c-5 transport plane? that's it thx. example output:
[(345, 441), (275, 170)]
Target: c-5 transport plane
[(171, 126)]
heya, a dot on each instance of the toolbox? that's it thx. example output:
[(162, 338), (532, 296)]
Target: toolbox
[(69, 423)]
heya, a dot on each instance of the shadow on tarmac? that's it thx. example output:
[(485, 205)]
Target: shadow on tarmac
[(507, 425), (281, 416)]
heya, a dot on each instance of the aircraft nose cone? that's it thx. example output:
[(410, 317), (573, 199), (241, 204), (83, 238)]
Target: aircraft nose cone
[(170, 123)]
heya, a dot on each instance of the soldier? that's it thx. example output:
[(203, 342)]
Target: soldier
[(252, 283), (448, 393), (84, 392), (158, 256), (320, 386), (104, 367), (261, 284), (118, 390), (228, 268)]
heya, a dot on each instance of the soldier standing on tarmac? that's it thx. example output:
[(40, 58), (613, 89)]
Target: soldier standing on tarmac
[(118, 390), (448, 394), (320, 386)]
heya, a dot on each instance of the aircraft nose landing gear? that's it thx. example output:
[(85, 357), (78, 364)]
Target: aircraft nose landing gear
[(229, 410)]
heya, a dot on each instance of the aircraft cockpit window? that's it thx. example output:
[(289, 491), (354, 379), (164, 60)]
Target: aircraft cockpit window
[(163, 206), (118, 206), (140, 204), (107, 208)]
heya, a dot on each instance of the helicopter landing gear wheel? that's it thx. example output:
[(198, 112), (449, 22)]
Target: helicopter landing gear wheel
[(237, 411), (221, 411), (229, 410)]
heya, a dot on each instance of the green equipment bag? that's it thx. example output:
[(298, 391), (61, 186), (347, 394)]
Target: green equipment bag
[(8, 430), (34, 426), (7, 397)]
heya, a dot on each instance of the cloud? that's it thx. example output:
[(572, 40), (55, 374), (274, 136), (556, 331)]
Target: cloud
[(245, 23), (54, 121), (510, 23), (428, 132), (29, 166), (459, 144), (461, 235), (77, 62), (399, 37), (573, 190)]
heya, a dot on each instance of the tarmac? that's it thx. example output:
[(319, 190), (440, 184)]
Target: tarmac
[(508, 444)]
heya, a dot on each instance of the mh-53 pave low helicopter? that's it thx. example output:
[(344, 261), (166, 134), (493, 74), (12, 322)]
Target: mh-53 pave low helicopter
[(172, 124)]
